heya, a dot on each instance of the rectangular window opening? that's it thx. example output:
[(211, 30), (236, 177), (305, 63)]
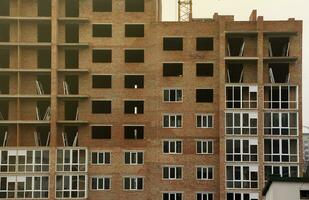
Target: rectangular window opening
[(204, 69), (134, 81), (279, 72), (101, 132), (134, 55), (134, 107), (43, 110), (102, 5), (72, 8), (235, 46), (44, 32), (134, 132), (4, 110), (44, 8), (134, 5), (70, 136), (4, 58), (5, 32), (71, 110), (204, 95), (173, 69), (71, 84), (172, 44), (204, 44), (278, 46), (44, 58), (102, 56), (42, 135), (101, 81), (43, 84), (72, 33), (234, 72), (71, 58), (134, 30), (101, 30), (101, 107), (4, 84), (5, 7)]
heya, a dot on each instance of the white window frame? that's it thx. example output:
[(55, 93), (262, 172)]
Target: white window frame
[(204, 121), (25, 167), (174, 193), (280, 153), (133, 157), (280, 169), (204, 143), (172, 170), (242, 181), (252, 196), (178, 99), (70, 189), (253, 91), (170, 116), (280, 127), (172, 143), (101, 178), (292, 104), (10, 194), (103, 153), (204, 171), (133, 183), (204, 195), (81, 164), (241, 129), (241, 153)]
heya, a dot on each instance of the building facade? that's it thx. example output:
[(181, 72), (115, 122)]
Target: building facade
[(100, 99)]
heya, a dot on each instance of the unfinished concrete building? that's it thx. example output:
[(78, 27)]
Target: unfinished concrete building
[(101, 99)]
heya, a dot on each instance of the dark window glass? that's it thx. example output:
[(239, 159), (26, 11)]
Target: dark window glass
[(134, 56), (102, 56), (172, 69), (204, 95), (102, 5), (101, 132), (172, 44), (101, 81), (101, 107), (102, 30), (204, 69), (134, 30), (134, 5), (204, 44)]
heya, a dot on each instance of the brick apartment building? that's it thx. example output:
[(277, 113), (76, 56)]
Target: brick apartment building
[(100, 99)]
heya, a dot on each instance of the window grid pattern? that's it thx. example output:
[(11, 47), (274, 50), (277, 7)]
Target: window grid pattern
[(242, 97), (281, 123), (282, 170), (204, 147), (241, 123), (133, 183), (172, 172), (204, 121), (101, 183), (172, 95), (172, 121), (172, 146), (71, 186), (281, 97), (101, 158), (21, 187), (243, 150), (24, 160), (134, 158), (242, 196), (204, 173), (71, 160), (204, 196), (241, 176), (172, 196), (280, 150)]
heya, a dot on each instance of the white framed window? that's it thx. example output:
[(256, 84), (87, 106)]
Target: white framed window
[(71, 160), (204, 121), (172, 146), (242, 176), (134, 157), (242, 196), (101, 157), (241, 96), (204, 196), (101, 183), (172, 172), (172, 95), (172, 195), (241, 123), (133, 183), (20, 160), (172, 120), (241, 150), (204, 146), (281, 170), (280, 150), (71, 186), (281, 97), (204, 172), (281, 123), (21, 187)]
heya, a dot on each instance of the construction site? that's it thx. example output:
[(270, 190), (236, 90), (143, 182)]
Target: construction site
[(101, 99)]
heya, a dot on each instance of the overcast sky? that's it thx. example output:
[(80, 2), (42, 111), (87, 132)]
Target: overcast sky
[(270, 9)]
